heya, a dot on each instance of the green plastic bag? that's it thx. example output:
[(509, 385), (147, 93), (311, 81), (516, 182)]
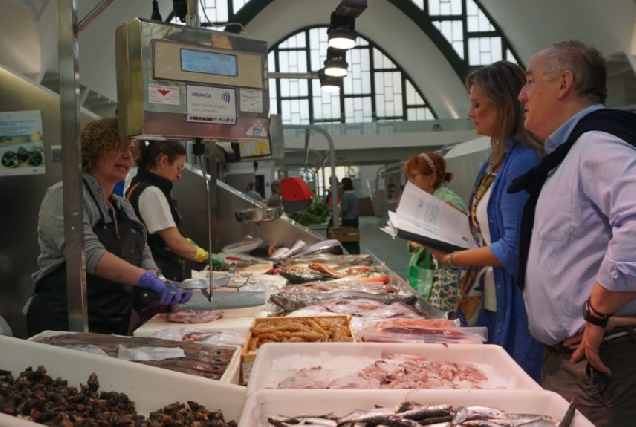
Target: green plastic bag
[(419, 273)]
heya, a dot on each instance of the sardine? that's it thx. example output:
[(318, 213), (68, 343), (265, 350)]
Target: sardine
[(279, 253), (467, 413), (385, 420), (331, 246), (437, 413), (331, 259), (291, 301), (568, 418), (296, 248), (303, 276), (359, 416)]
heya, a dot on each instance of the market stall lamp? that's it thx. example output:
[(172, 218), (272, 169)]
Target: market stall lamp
[(329, 83), (342, 32), (336, 64), (156, 15)]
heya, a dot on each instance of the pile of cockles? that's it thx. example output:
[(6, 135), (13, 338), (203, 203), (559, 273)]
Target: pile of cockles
[(36, 396)]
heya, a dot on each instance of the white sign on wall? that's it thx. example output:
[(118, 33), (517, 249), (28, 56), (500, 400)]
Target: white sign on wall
[(21, 143)]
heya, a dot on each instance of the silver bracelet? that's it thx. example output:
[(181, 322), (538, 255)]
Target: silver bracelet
[(450, 260)]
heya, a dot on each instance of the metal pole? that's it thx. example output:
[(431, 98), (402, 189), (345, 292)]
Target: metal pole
[(72, 166), (192, 18), (332, 162), (307, 133)]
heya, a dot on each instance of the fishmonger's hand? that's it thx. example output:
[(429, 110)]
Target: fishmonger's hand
[(151, 281)]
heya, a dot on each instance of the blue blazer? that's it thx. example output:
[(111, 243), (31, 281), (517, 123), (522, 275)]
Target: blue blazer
[(508, 326)]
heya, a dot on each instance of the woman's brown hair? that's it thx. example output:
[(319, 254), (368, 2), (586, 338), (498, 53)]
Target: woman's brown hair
[(99, 138), (420, 164), (501, 83), (151, 152)]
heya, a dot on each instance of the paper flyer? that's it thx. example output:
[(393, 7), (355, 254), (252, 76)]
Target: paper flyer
[(21, 143)]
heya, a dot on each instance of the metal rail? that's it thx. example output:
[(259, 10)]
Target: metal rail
[(72, 166), (332, 161)]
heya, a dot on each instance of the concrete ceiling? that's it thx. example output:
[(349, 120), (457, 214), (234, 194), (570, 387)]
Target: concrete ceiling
[(530, 27)]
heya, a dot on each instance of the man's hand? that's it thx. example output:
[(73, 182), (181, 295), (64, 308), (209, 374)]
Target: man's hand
[(576, 339), (589, 347)]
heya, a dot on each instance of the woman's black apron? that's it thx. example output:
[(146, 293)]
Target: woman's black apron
[(109, 303), (171, 265)]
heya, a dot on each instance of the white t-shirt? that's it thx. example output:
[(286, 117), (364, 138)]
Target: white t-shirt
[(488, 274), (155, 210)]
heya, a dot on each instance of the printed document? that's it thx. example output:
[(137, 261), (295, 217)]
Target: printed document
[(423, 218)]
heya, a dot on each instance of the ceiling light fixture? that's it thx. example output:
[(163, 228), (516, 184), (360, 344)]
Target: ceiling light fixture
[(336, 63), (342, 27), (156, 16), (329, 83)]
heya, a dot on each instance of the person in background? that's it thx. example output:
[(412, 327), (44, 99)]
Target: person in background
[(578, 234), (5, 329), (275, 200), (250, 191), (489, 295), (349, 213), (427, 171), (339, 199), (160, 164), (118, 259)]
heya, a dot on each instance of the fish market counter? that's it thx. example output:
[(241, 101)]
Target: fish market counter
[(322, 334)]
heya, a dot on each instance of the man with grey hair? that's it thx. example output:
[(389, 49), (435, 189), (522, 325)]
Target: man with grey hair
[(577, 262)]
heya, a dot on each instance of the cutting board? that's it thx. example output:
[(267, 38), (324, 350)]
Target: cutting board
[(229, 324)]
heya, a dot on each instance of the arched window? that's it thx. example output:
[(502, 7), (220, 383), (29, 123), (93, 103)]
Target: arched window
[(471, 33), (375, 88)]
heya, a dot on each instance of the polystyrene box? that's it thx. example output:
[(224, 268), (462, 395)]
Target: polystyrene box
[(341, 402), (231, 374), (149, 387), (506, 369)]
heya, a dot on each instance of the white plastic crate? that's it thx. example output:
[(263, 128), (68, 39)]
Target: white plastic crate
[(341, 402), (501, 364), (149, 387), (230, 376)]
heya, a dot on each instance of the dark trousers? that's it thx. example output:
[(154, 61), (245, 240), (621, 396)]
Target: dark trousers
[(351, 247), (607, 401)]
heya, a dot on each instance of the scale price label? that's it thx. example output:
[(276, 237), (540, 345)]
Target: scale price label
[(206, 104)]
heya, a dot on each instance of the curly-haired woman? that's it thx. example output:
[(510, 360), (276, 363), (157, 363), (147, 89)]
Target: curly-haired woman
[(117, 256)]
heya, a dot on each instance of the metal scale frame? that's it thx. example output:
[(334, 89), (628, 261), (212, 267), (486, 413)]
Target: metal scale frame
[(180, 83)]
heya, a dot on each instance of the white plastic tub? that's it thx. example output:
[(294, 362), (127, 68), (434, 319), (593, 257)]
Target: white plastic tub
[(341, 402), (500, 364), (230, 376), (149, 387)]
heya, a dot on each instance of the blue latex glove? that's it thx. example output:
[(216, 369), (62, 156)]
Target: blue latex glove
[(185, 297), (151, 281)]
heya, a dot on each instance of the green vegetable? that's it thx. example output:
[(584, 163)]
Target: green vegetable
[(317, 213)]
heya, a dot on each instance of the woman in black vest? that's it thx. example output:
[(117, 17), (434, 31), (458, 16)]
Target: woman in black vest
[(117, 257), (160, 165)]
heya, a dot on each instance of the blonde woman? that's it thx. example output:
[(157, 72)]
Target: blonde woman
[(489, 294)]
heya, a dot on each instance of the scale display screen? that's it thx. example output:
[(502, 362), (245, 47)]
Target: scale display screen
[(220, 64)]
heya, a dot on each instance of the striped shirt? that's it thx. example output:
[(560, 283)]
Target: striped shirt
[(584, 232)]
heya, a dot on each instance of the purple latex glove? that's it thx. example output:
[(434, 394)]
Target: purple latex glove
[(150, 280)]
